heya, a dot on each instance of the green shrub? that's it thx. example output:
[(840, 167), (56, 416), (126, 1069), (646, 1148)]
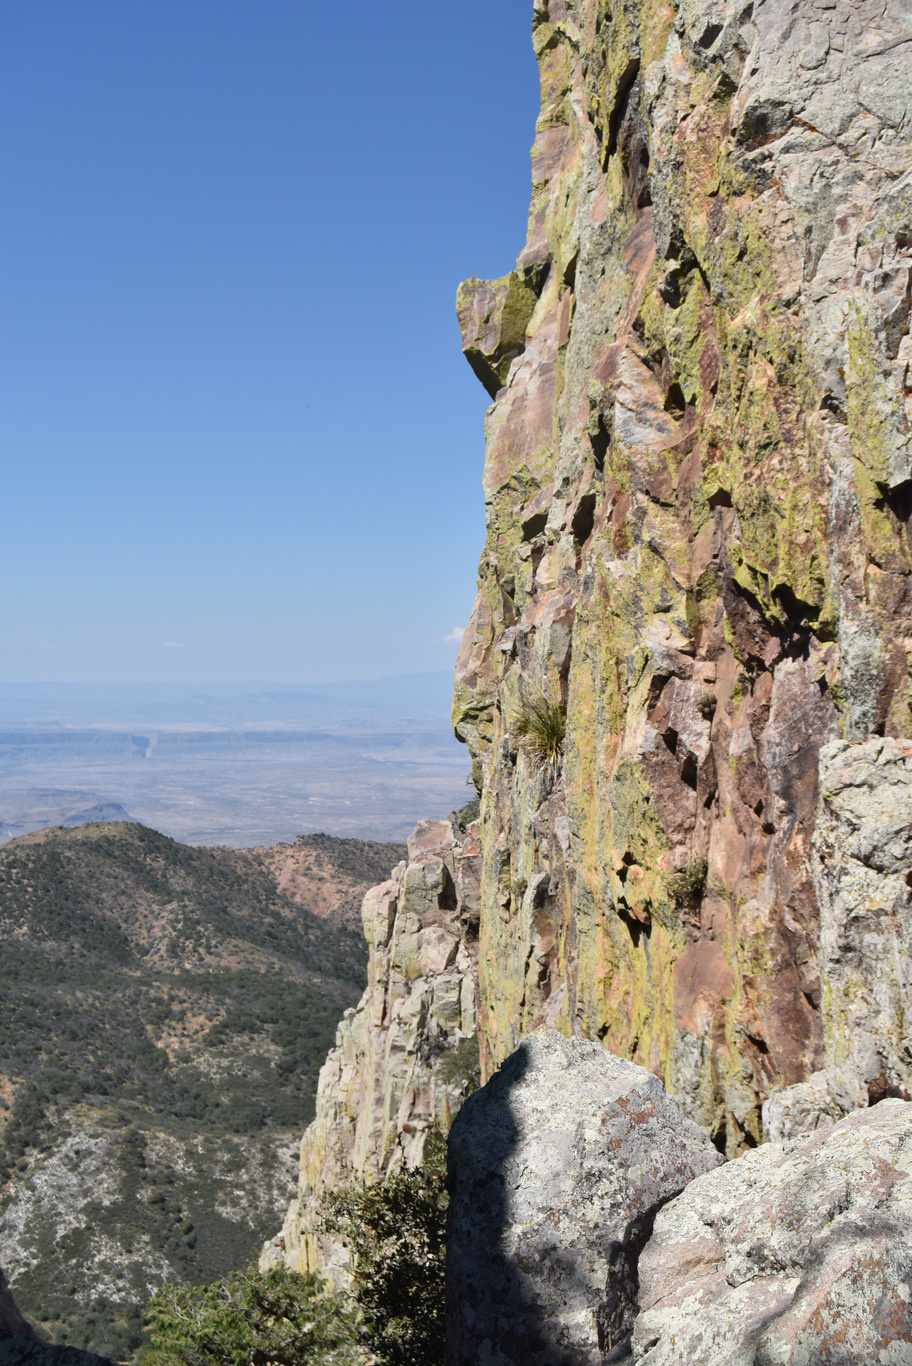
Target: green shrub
[(250, 1318), (540, 725), (469, 813), (707, 705), (687, 886), (395, 1231), (460, 1067)]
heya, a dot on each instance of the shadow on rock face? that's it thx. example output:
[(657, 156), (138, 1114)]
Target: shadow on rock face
[(557, 1168), (24, 1349), (20, 1347), (485, 1296)]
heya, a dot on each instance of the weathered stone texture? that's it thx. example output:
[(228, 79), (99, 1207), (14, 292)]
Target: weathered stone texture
[(557, 1168), (698, 491), (863, 872), (493, 316), (795, 1253), (697, 494), (381, 1088)]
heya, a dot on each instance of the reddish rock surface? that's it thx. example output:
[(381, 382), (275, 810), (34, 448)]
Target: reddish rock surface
[(697, 488)]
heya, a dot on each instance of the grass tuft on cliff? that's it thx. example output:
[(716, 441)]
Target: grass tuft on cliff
[(540, 725)]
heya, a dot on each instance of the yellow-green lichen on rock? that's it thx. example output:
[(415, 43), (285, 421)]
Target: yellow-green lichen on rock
[(697, 480), (698, 493)]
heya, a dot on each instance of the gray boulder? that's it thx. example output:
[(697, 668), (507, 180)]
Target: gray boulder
[(557, 1168), (794, 1254)]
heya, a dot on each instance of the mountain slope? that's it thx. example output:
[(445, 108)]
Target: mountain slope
[(328, 875), (164, 1011)]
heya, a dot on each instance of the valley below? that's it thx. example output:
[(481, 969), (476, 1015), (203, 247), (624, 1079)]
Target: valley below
[(234, 766), (164, 1012)]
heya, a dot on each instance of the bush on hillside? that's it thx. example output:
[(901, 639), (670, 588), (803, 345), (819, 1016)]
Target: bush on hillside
[(250, 1318), (395, 1231)]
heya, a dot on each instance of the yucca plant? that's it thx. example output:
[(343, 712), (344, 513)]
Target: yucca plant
[(540, 725)]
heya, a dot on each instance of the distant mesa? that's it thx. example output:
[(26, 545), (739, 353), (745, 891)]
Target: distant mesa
[(42, 808), (102, 811)]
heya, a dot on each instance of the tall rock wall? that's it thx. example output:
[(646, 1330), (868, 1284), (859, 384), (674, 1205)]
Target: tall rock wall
[(698, 491), (698, 484), (385, 1086)]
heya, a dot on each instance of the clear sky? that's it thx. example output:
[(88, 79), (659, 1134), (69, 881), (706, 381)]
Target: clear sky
[(238, 438)]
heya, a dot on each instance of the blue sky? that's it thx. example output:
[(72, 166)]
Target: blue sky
[(238, 436)]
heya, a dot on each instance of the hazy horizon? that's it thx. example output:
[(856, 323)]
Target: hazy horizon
[(241, 764), (239, 438)]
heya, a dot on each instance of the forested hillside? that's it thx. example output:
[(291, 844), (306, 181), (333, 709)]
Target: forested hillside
[(164, 1012)]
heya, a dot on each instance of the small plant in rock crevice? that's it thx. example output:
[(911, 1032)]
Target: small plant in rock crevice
[(688, 885), (540, 725), (707, 705), (460, 1068)]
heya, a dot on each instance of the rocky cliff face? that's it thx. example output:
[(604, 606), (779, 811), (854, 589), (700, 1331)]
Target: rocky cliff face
[(407, 1055), (698, 490), (698, 485)]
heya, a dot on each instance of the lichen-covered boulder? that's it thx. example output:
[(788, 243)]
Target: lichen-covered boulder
[(557, 1167), (493, 316), (796, 1253)]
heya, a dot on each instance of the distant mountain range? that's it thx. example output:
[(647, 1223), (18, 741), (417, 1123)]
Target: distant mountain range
[(53, 806), (408, 698)]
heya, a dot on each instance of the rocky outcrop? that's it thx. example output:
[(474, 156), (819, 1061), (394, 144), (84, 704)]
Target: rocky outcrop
[(862, 862), (591, 1222), (698, 491), (697, 486), (557, 1168), (795, 1253), (493, 317), (407, 1055)]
